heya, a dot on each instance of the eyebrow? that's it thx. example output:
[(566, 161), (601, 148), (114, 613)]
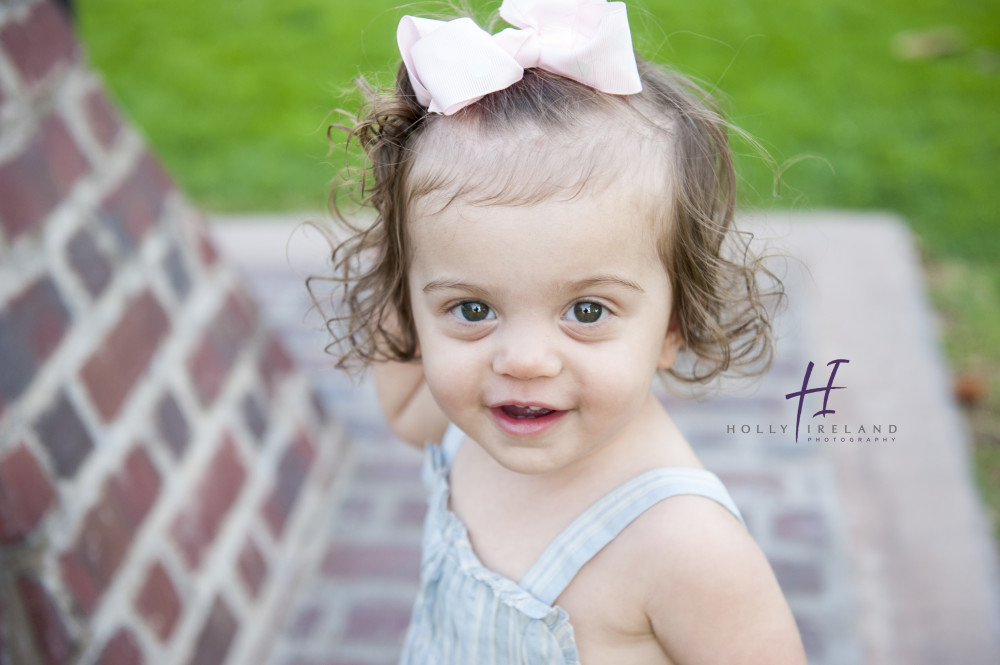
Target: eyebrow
[(605, 280), (448, 285), (579, 285)]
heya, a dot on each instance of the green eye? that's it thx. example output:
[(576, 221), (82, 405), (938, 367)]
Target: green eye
[(587, 312), (473, 311)]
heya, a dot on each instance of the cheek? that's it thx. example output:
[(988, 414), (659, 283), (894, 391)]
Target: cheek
[(451, 370), (455, 388), (632, 369), (623, 373)]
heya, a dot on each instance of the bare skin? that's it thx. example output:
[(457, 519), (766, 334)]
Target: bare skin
[(684, 584), (695, 573)]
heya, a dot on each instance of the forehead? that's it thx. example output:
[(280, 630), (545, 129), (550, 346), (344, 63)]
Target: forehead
[(458, 159), (535, 246), (532, 199)]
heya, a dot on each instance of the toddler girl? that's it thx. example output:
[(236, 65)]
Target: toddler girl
[(551, 233)]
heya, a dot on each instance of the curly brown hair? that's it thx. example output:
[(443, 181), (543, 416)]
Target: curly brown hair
[(509, 148)]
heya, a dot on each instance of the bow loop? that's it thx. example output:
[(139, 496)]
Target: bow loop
[(524, 46), (452, 64)]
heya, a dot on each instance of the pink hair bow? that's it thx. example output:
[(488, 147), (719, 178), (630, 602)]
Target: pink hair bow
[(452, 64)]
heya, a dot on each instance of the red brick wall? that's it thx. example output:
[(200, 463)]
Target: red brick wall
[(160, 456)]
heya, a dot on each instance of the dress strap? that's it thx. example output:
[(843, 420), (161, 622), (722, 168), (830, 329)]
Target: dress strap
[(450, 443), (608, 517)]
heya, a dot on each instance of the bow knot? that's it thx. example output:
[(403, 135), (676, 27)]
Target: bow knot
[(452, 64)]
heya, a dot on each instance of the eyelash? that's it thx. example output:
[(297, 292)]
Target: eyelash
[(603, 312), (456, 311)]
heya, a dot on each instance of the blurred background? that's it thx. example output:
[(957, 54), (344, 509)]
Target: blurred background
[(886, 105), (185, 480)]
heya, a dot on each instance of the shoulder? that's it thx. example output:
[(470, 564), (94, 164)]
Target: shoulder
[(704, 576), (688, 519), (688, 533)]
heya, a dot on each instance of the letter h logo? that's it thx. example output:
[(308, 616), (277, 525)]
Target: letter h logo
[(823, 389)]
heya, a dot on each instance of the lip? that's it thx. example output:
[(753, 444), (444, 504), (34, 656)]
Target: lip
[(525, 426)]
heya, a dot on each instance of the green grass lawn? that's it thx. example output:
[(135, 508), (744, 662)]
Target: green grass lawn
[(235, 98)]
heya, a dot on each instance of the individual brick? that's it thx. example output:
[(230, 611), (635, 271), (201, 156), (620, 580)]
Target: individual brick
[(40, 316), (808, 527), (223, 340), (25, 495), (209, 365), (37, 179), (31, 327), (121, 649), (109, 528), (240, 314), (103, 541), (344, 560), (389, 471), (253, 568), (102, 117), (113, 369), (291, 476), (135, 206), (752, 481), (158, 602), (798, 577), (410, 513), (275, 364), (89, 262), (216, 636), (254, 416), (370, 622), (206, 249), (136, 486), (65, 436), (195, 528), (172, 425), (177, 273), (52, 640), (63, 158), (26, 191), (79, 581), (19, 367), (40, 43), (154, 173)]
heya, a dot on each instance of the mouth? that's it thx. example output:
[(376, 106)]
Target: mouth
[(522, 411), (525, 419)]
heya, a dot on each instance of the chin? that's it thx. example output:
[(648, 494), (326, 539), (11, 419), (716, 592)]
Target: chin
[(528, 461)]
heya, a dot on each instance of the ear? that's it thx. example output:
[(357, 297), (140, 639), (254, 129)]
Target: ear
[(671, 344)]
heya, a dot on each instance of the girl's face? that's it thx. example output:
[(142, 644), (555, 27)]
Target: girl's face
[(541, 326)]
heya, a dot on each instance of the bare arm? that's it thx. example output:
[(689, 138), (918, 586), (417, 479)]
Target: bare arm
[(407, 403), (716, 600)]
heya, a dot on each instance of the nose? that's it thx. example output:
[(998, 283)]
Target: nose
[(526, 352)]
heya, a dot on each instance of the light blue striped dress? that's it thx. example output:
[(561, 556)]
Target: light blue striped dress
[(465, 614)]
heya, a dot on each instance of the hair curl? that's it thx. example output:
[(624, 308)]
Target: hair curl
[(721, 288)]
